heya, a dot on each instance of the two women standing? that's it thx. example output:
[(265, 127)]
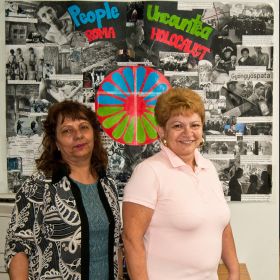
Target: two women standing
[(176, 221)]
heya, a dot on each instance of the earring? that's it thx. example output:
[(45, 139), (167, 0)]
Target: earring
[(202, 142), (164, 142)]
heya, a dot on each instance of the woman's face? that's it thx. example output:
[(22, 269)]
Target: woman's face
[(75, 140), (47, 14), (183, 134)]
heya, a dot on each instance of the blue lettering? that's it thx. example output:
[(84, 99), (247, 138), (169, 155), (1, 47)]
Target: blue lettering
[(83, 18), (108, 11), (100, 13), (93, 15), (74, 10), (115, 12)]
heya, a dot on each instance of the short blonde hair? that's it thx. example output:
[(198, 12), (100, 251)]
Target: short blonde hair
[(175, 101)]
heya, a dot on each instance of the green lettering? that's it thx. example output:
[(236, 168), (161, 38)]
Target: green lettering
[(164, 18), (184, 23), (193, 26), (156, 14), (197, 25), (174, 21), (206, 32)]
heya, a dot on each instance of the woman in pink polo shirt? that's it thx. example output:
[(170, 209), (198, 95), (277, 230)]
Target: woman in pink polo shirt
[(176, 220)]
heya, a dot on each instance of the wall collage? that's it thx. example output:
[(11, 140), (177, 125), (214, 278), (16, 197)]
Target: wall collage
[(117, 57)]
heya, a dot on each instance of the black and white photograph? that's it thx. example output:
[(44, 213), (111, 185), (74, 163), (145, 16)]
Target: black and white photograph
[(226, 169), (28, 126), (259, 128), (99, 55), (254, 56), (251, 19), (184, 80), (135, 11), (59, 90), (239, 99), (24, 62), (174, 61), (259, 180), (219, 147), (20, 102), (259, 148), (214, 126)]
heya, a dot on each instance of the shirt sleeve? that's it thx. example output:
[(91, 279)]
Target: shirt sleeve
[(143, 186), (20, 236)]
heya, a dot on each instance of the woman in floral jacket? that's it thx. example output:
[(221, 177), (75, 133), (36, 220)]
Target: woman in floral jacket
[(66, 222)]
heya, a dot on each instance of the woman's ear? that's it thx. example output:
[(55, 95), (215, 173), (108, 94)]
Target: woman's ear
[(160, 132)]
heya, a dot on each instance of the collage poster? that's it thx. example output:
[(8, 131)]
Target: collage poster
[(117, 57)]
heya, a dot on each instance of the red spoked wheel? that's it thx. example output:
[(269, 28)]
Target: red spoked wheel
[(125, 104)]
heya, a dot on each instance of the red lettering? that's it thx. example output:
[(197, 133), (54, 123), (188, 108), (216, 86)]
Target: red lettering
[(187, 45), (153, 34), (100, 33), (178, 45), (179, 42)]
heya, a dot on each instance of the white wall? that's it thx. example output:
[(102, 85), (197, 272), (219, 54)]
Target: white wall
[(255, 225)]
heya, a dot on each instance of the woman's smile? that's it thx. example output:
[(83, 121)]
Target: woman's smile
[(183, 134)]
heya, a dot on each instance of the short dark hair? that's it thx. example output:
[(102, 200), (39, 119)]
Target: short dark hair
[(258, 85), (244, 50), (50, 158), (239, 172)]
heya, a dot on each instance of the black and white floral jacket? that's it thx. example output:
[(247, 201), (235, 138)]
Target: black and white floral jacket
[(50, 225)]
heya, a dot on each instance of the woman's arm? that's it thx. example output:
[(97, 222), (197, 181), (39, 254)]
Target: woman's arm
[(18, 269), (229, 255), (136, 219), (120, 264), (20, 240)]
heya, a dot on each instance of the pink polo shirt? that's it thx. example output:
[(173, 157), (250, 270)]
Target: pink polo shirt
[(184, 238)]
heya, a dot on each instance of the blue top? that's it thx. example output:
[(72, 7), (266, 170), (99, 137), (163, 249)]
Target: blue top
[(98, 232)]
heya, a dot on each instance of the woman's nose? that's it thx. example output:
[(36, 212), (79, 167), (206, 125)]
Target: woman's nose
[(187, 130), (78, 134)]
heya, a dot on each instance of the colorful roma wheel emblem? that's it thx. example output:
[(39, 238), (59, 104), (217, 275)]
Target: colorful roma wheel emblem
[(125, 104)]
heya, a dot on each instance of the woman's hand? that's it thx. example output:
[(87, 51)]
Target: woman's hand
[(18, 269), (234, 276)]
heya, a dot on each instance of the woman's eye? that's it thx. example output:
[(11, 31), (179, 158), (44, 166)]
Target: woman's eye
[(177, 126), (84, 127), (66, 131)]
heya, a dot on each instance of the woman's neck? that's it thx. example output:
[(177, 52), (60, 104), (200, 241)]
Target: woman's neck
[(190, 160), (83, 174)]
